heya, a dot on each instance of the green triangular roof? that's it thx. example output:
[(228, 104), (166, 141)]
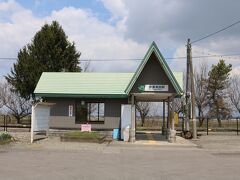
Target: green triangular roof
[(154, 49)]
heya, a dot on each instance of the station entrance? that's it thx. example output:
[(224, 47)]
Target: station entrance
[(157, 126)]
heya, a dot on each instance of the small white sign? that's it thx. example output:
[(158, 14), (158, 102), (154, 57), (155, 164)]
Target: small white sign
[(156, 87), (70, 111)]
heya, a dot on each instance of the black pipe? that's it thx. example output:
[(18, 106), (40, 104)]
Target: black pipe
[(4, 122), (237, 126)]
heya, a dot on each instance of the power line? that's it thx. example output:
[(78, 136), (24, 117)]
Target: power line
[(8, 58), (114, 59), (216, 32), (139, 59)]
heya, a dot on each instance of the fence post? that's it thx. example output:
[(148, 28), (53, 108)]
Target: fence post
[(207, 126), (4, 122), (182, 124), (237, 126)]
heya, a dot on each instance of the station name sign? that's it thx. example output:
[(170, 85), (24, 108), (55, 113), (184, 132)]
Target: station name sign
[(153, 87)]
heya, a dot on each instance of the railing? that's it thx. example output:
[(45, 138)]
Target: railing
[(209, 126), (6, 123)]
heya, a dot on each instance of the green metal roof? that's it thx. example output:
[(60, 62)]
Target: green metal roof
[(71, 84), (88, 85), (154, 49)]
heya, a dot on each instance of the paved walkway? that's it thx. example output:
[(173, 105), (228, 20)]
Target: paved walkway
[(154, 138)]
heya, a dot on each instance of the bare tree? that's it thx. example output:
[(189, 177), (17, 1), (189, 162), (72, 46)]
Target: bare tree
[(234, 92), (1, 101), (201, 91), (143, 109), (86, 67), (16, 106), (155, 109), (92, 110), (178, 104)]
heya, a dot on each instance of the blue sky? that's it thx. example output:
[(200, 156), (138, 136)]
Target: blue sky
[(124, 29), (43, 8)]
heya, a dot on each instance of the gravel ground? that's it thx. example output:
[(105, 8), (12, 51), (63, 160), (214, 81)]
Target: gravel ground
[(53, 142), (215, 157), (219, 143), (213, 142)]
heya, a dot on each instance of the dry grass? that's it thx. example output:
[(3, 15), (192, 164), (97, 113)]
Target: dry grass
[(156, 124), (80, 134)]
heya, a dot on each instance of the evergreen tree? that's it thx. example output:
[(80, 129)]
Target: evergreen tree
[(49, 51), (217, 84)]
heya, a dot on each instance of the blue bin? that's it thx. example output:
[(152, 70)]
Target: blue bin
[(116, 134)]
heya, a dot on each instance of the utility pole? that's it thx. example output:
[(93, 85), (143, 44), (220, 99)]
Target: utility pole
[(190, 88)]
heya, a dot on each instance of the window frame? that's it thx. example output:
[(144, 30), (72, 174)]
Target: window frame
[(87, 120), (98, 112)]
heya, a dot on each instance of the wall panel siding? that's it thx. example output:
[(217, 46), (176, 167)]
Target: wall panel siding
[(69, 122), (59, 113), (61, 106), (63, 122), (113, 107)]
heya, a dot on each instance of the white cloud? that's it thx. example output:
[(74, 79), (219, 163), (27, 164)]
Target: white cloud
[(170, 23), (93, 38), (201, 53), (133, 26), (98, 40), (116, 7)]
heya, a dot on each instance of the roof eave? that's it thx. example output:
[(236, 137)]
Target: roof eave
[(64, 95)]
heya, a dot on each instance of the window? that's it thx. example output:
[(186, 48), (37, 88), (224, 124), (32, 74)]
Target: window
[(89, 112), (95, 111)]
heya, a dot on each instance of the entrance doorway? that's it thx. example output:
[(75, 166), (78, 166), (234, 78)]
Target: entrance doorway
[(150, 121)]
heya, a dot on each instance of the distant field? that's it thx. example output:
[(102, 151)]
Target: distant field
[(156, 124), (12, 120)]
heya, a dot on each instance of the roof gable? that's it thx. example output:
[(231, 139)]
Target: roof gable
[(154, 49)]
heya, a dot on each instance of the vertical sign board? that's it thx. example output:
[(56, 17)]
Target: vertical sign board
[(126, 115), (70, 110), (40, 118)]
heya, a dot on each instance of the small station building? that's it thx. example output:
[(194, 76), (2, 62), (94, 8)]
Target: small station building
[(107, 100)]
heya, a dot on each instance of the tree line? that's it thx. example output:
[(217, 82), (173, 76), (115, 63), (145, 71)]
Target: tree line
[(217, 93)]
